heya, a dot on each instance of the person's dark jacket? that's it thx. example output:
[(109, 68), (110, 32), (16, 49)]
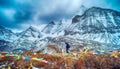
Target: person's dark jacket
[(67, 46)]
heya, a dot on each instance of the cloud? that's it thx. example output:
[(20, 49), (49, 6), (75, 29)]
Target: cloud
[(114, 4), (19, 14), (52, 10), (9, 13), (6, 3)]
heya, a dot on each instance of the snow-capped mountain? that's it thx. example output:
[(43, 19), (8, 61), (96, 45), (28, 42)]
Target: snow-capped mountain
[(30, 33), (81, 10), (96, 28), (6, 39), (54, 29), (48, 29), (6, 34), (5, 45), (98, 24), (27, 39)]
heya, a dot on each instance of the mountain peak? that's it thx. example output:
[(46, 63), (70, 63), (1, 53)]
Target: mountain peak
[(75, 18), (82, 7), (100, 11), (2, 28), (49, 27), (81, 10), (6, 34), (31, 32), (52, 22), (32, 28), (60, 22)]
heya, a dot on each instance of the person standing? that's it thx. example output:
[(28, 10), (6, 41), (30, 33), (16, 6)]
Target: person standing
[(67, 47)]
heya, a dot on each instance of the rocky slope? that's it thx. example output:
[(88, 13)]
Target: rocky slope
[(96, 28)]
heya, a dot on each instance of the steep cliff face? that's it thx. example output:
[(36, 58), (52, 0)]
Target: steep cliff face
[(97, 24)]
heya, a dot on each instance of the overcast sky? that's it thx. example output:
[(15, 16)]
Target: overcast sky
[(19, 14)]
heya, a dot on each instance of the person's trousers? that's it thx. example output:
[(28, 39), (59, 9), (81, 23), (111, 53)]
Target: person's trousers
[(67, 50)]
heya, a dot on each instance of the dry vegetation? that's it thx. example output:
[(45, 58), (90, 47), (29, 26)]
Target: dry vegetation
[(64, 61)]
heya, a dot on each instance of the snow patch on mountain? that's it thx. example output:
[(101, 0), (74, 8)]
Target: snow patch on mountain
[(94, 28), (97, 24), (6, 34)]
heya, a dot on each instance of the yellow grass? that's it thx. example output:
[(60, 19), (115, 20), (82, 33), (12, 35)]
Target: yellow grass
[(65, 61)]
